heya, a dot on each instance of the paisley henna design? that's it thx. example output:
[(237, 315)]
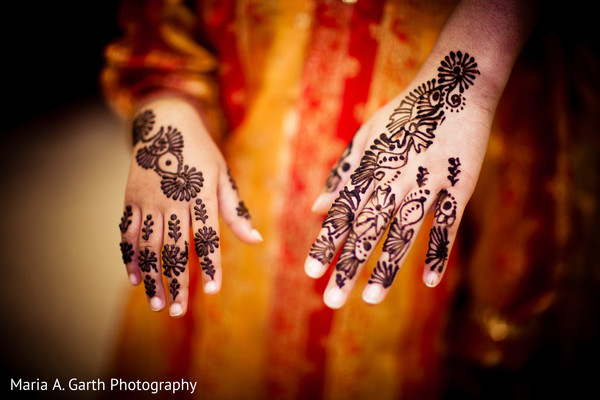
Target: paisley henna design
[(453, 169), (200, 211), (422, 176), (334, 177), (411, 129), (174, 288), (174, 228), (147, 260), (163, 153), (208, 267), (149, 286), (174, 260), (438, 248), (206, 240), (126, 219), (147, 229), (126, 251), (242, 210)]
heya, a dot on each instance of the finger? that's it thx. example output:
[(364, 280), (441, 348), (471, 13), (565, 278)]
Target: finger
[(234, 211), (175, 255), (129, 226), (335, 229), (441, 237), (207, 244), (367, 230), (340, 172), (400, 239), (150, 243)]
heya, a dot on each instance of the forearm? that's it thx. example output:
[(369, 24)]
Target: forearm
[(491, 31)]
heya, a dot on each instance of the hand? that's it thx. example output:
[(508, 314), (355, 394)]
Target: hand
[(178, 179), (419, 154)]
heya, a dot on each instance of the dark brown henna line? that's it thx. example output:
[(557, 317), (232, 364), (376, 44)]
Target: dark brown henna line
[(200, 211), (147, 260), (422, 176), (206, 240), (242, 210), (437, 253), (453, 170), (147, 229), (334, 177), (126, 219), (126, 251), (174, 288), (208, 267), (149, 286), (174, 228), (174, 260)]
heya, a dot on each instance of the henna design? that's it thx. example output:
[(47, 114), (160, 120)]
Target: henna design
[(200, 211), (147, 229), (147, 260), (438, 248), (142, 125), (231, 180), (174, 288), (164, 154), (242, 210), (126, 219), (340, 280), (323, 249), (149, 286), (126, 251), (422, 176), (206, 240), (384, 273), (334, 177), (208, 267), (445, 212), (453, 169), (174, 228), (174, 260), (341, 214)]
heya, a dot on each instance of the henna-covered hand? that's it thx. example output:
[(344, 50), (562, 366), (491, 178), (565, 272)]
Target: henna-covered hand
[(178, 180), (419, 154)]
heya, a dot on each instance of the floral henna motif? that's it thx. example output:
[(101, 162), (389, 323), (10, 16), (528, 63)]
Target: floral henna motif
[(334, 177), (242, 210), (147, 260), (384, 273), (147, 228), (323, 249), (206, 240), (208, 267), (126, 251), (174, 228), (174, 287), (149, 286), (163, 153), (438, 248), (200, 213), (411, 129), (174, 259)]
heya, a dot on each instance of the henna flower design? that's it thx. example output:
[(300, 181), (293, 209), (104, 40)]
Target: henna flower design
[(384, 274), (142, 125), (174, 260), (126, 251), (149, 286), (184, 185), (340, 216), (208, 267), (323, 249), (206, 240), (457, 69), (438, 248), (147, 260)]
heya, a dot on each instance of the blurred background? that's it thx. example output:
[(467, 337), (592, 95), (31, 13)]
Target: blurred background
[(64, 162)]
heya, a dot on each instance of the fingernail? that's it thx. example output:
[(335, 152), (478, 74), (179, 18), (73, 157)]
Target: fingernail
[(313, 268), (372, 294), (175, 310), (210, 287), (256, 235), (432, 279), (133, 279), (334, 298), (156, 304), (320, 203)]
